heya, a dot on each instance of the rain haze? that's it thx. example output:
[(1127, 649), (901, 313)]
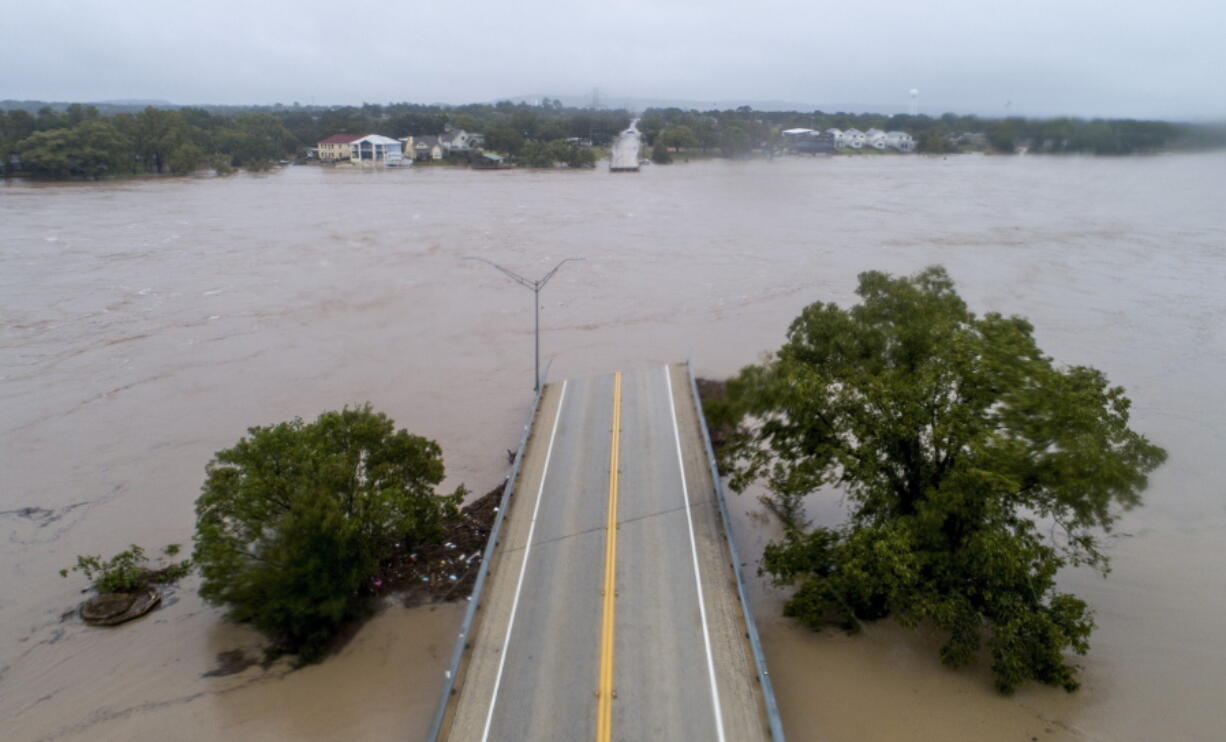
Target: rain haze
[(1082, 58)]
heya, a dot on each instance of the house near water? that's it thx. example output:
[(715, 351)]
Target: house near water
[(808, 141), (900, 140), (853, 138), (367, 149), (336, 147), (459, 140), (423, 147), (376, 149)]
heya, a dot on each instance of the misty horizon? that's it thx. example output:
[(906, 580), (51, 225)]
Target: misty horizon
[(630, 104), (1137, 61)]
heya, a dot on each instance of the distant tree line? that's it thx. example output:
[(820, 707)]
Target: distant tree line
[(78, 140), (735, 132)]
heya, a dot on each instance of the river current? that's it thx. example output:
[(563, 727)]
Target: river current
[(146, 324)]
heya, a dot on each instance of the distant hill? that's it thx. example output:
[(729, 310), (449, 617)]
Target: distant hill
[(136, 105), (106, 107), (136, 102), (641, 104)]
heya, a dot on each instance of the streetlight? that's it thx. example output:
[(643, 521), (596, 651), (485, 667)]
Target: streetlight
[(536, 287)]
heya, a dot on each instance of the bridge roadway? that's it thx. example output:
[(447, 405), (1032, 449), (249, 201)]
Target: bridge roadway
[(624, 156), (554, 657)]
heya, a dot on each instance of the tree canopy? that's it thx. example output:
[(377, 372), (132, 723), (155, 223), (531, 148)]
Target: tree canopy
[(973, 466), (678, 136), (294, 519), (547, 154)]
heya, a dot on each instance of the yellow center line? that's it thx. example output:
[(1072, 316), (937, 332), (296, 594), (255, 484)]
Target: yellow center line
[(604, 692)]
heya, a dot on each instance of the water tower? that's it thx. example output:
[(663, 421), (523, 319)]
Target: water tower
[(914, 102)]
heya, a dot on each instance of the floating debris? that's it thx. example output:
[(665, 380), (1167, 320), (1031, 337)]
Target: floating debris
[(445, 570)]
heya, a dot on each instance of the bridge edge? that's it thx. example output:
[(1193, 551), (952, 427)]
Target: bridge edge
[(768, 691), (457, 653)]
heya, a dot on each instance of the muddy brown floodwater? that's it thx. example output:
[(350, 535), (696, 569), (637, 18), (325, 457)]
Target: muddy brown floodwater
[(147, 324)]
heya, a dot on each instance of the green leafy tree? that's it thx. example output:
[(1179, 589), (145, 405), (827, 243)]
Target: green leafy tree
[(48, 154), (467, 122), (679, 136), (256, 140), (76, 113), (572, 155), (974, 468), (220, 163), (526, 121), (128, 571), (185, 158), (17, 124), (734, 140), (536, 154), (1002, 135), (504, 139), (293, 521), (91, 149), (660, 154), (934, 142), (707, 132), (155, 133), (650, 126), (48, 118), (552, 129)]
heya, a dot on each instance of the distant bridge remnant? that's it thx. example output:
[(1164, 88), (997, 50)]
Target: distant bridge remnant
[(625, 155)]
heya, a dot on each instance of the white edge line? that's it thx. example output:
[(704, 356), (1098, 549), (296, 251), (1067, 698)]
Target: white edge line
[(502, 660), (702, 610)]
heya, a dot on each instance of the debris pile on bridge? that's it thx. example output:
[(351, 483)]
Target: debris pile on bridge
[(447, 570)]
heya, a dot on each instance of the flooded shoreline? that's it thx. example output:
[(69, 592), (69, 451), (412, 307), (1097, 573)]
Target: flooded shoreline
[(147, 324)]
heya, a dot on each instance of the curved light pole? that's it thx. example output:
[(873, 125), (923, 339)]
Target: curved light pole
[(536, 287)]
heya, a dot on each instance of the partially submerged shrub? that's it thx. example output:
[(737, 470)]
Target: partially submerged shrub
[(294, 520), (128, 571)]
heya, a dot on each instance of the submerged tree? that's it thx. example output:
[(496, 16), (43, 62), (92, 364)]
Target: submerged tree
[(91, 149), (974, 467), (294, 520)]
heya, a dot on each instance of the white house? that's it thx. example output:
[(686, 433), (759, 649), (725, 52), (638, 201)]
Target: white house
[(793, 137), (838, 138), (875, 138), (375, 149), (900, 140), (459, 140), (853, 138)]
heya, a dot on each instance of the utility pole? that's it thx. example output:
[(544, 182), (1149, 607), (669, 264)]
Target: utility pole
[(536, 287)]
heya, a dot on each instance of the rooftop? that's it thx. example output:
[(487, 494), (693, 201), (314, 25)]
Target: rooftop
[(341, 139)]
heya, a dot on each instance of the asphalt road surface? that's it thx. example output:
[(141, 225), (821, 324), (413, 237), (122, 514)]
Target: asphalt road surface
[(667, 651), (625, 154)]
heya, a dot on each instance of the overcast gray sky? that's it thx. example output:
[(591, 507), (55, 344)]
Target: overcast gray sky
[(1038, 57)]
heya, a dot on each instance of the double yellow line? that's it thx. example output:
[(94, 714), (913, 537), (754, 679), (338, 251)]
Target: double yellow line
[(604, 692)]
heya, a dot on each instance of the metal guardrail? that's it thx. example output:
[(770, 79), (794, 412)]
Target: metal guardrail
[(768, 691), (474, 600)]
